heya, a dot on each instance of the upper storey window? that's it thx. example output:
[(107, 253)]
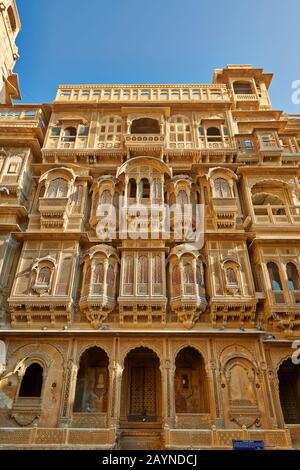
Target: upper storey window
[(242, 88), (180, 132), (213, 134), (145, 126), (110, 134), (12, 19), (57, 188), (69, 134), (222, 188)]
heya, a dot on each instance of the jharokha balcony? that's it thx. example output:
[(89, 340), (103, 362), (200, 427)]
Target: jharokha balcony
[(24, 123), (148, 144), (276, 215)]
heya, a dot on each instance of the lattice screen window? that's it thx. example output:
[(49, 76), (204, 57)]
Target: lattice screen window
[(180, 133), (110, 132)]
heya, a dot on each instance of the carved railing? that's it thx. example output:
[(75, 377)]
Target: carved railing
[(276, 214), (246, 97), (142, 93)]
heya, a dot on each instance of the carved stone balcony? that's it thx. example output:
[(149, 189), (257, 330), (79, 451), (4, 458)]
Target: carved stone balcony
[(142, 309), (145, 144), (225, 212), (283, 309), (97, 305), (46, 309), (54, 212), (276, 216), (23, 124), (234, 309), (188, 304), (218, 152)]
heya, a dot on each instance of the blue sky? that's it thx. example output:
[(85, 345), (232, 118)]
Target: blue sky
[(155, 41)]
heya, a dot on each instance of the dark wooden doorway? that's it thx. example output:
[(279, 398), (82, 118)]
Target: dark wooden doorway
[(141, 388)]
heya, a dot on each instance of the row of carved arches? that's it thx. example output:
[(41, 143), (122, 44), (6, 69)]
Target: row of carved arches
[(191, 384)]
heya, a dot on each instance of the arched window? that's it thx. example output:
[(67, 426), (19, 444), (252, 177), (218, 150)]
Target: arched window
[(12, 19), (145, 188), (106, 197), (44, 275), (58, 188), (292, 277), (289, 391), (99, 273), (188, 274), (180, 133), (110, 280), (143, 270), (213, 134), (231, 277), (145, 126), (182, 198), (156, 189), (128, 278), (274, 276), (222, 188), (188, 279), (132, 188), (98, 279), (92, 384), (191, 385), (69, 134), (157, 269), (110, 133), (32, 381), (242, 88), (176, 280)]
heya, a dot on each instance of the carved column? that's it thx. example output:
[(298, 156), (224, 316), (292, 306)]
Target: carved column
[(69, 388)]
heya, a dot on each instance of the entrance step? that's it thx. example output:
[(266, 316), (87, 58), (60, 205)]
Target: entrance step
[(135, 439)]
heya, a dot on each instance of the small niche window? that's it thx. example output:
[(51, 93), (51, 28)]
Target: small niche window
[(242, 88), (274, 276), (248, 144), (225, 131), (83, 131), (55, 131), (145, 188), (222, 188), (292, 277), (132, 188), (231, 277), (200, 131), (58, 188), (213, 134), (12, 19), (70, 134), (12, 168)]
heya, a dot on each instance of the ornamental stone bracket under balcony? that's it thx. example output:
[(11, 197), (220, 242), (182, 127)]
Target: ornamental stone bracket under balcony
[(188, 308), (225, 212), (137, 311), (44, 311), (54, 212), (232, 310), (96, 309)]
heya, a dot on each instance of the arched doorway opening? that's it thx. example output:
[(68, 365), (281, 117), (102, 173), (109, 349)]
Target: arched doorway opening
[(145, 126), (191, 387), (289, 391), (92, 384), (141, 388)]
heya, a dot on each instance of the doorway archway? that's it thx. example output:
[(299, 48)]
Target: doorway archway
[(141, 388)]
